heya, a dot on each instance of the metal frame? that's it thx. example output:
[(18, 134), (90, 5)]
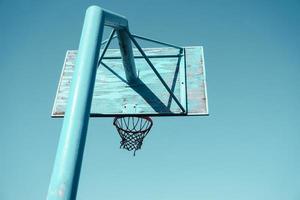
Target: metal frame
[(132, 38)]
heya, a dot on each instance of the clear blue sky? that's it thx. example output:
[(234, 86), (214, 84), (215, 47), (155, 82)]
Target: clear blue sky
[(248, 148)]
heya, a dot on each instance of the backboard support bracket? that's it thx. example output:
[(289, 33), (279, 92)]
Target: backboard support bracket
[(132, 38)]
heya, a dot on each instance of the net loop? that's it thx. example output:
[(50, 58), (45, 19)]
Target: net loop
[(132, 130)]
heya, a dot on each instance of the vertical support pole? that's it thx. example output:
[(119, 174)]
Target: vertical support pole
[(66, 172), (127, 54)]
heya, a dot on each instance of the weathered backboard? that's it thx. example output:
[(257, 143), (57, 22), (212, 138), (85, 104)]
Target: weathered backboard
[(183, 72)]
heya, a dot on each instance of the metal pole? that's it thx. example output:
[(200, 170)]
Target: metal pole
[(66, 171), (127, 55)]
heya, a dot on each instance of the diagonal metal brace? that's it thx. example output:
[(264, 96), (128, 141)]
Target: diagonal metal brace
[(106, 46), (158, 42), (155, 71)]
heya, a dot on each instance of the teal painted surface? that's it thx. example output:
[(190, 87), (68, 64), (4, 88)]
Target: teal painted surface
[(112, 93)]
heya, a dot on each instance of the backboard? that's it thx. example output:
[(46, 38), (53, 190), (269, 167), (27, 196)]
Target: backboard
[(184, 73)]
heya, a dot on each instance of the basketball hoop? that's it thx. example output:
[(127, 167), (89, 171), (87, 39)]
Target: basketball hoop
[(173, 83), (132, 130)]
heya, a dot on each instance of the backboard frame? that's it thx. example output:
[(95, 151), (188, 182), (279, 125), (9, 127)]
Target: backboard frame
[(184, 76)]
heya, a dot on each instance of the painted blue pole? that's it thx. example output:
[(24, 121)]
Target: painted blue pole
[(67, 166), (127, 55), (66, 172)]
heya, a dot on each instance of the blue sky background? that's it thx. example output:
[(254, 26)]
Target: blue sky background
[(248, 148)]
